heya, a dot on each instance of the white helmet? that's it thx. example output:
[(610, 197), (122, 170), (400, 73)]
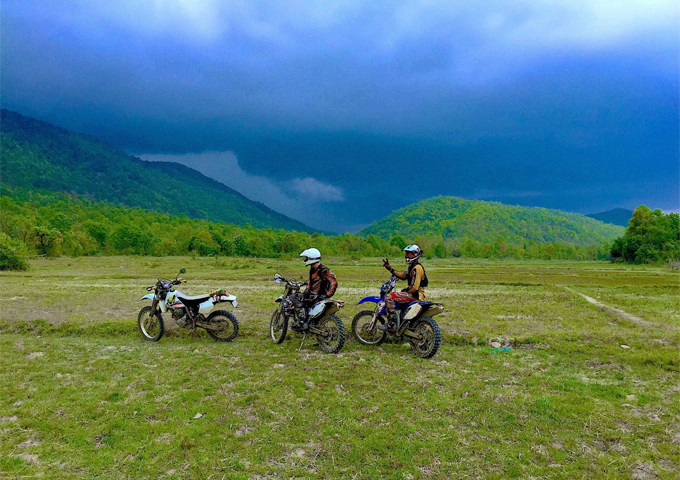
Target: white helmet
[(311, 255), (413, 253)]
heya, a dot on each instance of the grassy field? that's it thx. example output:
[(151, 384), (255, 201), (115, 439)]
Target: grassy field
[(83, 395)]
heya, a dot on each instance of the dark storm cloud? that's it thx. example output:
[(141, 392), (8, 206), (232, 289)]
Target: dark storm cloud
[(569, 105)]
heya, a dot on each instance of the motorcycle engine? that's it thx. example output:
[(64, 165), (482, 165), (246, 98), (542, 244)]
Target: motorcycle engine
[(180, 316), (300, 316)]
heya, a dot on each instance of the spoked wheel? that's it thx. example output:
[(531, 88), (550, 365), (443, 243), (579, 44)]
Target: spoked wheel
[(361, 328), (227, 326), (151, 326), (429, 338), (278, 326), (332, 336)]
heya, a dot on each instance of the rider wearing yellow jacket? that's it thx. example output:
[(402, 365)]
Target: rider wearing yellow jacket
[(414, 274)]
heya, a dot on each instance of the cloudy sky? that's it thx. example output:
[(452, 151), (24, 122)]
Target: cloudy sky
[(338, 112)]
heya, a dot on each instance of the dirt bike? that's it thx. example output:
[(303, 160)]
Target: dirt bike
[(413, 322), (187, 311), (319, 321)]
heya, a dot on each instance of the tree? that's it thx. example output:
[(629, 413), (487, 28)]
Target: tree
[(651, 236), (398, 241), (48, 241), (242, 246), (12, 254)]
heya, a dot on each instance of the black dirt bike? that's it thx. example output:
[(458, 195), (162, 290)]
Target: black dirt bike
[(413, 322), (319, 321)]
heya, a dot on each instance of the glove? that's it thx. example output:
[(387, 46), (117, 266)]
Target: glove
[(386, 264)]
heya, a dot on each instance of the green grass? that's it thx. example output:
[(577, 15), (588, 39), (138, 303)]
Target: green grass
[(91, 398)]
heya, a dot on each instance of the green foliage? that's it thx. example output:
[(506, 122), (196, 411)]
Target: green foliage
[(37, 155), (48, 241), (398, 241), (450, 226), (54, 224), (651, 237), (12, 254)]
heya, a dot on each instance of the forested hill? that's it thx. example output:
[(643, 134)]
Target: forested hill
[(618, 216), (37, 155), (489, 222)]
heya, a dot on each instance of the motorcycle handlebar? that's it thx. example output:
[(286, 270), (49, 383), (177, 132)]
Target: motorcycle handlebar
[(281, 279)]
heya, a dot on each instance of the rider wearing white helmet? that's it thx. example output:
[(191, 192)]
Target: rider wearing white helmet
[(322, 283), (415, 273)]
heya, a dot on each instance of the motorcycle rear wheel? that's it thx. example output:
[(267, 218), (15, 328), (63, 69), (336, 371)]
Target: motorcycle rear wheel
[(428, 344), (278, 326), (228, 326), (332, 338), (362, 333), (151, 327)]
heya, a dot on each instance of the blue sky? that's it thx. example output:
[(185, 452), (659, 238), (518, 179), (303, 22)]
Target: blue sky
[(337, 113)]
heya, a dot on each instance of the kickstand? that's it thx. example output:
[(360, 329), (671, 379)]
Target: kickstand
[(303, 341)]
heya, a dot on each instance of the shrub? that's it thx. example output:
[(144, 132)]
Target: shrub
[(12, 254)]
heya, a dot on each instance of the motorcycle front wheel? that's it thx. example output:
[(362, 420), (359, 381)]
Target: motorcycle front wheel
[(429, 338), (332, 336), (227, 324), (278, 326), (151, 326), (361, 329)]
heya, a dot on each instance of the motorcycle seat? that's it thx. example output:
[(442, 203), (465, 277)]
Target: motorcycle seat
[(194, 298)]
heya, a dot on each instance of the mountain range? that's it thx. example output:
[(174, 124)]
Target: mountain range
[(617, 216), (37, 155)]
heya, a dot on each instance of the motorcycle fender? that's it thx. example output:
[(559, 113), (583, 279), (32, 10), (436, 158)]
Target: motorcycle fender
[(413, 311), (325, 307), (148, 297), (433, 310), (229, 298), (279, 300), (369, 299)]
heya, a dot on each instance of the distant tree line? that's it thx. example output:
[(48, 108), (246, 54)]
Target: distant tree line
[(54, 224), (651, 236)]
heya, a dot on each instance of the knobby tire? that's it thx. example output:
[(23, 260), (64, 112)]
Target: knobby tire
[(231, 318), (380, 335), (143, 320)]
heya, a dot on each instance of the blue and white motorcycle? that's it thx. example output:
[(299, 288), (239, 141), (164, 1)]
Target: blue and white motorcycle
[(413, 322), (187, 311)]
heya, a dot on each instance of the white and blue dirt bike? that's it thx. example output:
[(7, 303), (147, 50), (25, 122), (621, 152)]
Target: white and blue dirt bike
[(413, 322), (319, 320), (188, 311)]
